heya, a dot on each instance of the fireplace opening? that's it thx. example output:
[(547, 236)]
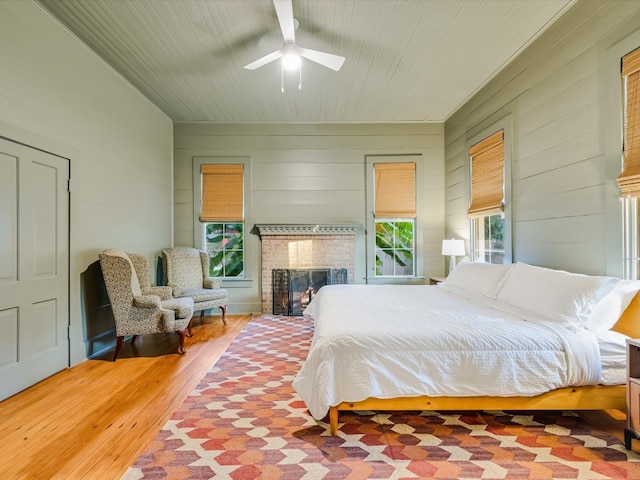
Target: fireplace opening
[(293, 289)]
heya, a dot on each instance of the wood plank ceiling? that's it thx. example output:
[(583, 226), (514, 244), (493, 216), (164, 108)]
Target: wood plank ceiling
[(406, 60)]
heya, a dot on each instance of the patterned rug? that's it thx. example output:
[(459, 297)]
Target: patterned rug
[(244, 421)]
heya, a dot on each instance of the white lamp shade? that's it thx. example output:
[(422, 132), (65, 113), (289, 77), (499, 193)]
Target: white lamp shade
[(453, 247)]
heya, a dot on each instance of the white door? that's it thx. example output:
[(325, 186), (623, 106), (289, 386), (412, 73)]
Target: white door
[(34, 266)]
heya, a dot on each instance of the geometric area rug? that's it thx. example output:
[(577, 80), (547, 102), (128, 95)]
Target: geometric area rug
[(244, 421)]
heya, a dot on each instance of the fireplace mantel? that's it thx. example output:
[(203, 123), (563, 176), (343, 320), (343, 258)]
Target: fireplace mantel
[(302, 229)]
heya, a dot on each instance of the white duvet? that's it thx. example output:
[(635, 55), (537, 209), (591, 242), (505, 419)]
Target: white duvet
[(389, 341)]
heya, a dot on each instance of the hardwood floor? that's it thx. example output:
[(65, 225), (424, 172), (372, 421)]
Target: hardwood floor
[(93, 420)]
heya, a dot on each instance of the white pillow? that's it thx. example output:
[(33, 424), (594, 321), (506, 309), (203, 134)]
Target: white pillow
[(607, 311), (483, 278), (562, 297)]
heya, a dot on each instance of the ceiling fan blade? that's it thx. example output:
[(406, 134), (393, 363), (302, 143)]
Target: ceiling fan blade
[(329, 60), (264, 60), (284, 11)]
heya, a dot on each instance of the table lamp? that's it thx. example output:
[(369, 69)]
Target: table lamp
[(454, 248)]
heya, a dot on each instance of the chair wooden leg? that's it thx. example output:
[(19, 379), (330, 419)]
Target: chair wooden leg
[(183, 334), (189, 331), (202, 313), (223, 308), (133, 339), (118, 346)]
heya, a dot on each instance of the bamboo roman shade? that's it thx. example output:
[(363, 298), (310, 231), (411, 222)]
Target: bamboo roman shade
[(222, 193), (629, 179), (487, 176), (395, 190)]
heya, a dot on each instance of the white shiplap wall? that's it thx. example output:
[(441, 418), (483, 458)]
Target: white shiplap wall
[(309, 174), (563, 94), (59, 96)]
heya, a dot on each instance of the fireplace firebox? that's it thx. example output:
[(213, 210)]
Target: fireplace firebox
[(293, 289)]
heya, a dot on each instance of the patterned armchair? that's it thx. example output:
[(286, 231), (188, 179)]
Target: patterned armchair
[(139, 311), (186, 271)]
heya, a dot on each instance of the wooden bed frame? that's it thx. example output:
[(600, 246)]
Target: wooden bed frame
[(592, 397)]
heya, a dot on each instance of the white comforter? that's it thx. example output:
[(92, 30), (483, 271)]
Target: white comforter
[(389, 341)]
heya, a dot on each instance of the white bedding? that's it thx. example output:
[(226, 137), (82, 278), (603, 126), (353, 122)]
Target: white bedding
[(613, 357), (390, 341)]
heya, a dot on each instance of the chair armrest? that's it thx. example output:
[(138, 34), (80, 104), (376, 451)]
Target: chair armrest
[(164, 292), (211, 282), (176, 290), (147, 301)]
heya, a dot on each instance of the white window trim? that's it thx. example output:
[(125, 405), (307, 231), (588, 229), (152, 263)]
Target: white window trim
[(630, 238), (506, 125), (418, 276), (622, 218), (198, 235)]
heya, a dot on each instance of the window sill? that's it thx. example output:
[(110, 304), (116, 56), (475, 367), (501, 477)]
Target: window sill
[(239, 283)]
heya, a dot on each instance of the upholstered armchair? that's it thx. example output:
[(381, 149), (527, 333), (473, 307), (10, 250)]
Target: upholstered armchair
[(186, 271), (137, 311)]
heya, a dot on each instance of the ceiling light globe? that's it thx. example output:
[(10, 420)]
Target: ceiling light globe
[(291, 61)]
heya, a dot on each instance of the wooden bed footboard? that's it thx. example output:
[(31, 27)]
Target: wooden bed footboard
[(596, 397)]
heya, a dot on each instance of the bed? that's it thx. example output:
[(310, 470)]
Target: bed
[(490, 337)]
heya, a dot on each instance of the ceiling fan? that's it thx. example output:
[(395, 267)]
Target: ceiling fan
[(290, 52)]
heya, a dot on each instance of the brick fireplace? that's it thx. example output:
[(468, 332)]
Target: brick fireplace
[(304, 247)]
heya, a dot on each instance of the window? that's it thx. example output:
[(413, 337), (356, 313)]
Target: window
[(487, 233), (225, 244), (222, 218), (394, 219), (394, 247), (490, 240), (629, 179)]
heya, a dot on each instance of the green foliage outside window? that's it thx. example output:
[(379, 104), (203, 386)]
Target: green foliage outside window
[(225, 243), (494, 228), (394, 248)]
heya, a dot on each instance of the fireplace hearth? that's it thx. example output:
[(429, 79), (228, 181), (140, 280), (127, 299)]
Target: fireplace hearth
[(293, 289)]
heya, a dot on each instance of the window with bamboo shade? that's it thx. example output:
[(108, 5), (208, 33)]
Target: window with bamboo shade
[(395, 212), (486, 208), (222, 193), (487, 176), (222, 217), (629, 179)]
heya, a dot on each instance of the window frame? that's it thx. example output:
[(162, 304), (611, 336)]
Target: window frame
[(418, 220), (199, 228), (630, 211), (630, 225), (506, 125)]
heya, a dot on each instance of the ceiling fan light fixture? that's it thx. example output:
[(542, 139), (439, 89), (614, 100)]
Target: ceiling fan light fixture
[(291, 57), (291, 61)]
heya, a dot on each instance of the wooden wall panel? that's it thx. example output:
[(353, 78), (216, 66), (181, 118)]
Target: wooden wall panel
[(309, 174), (60, 97), (559, 94), (540, 244)]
